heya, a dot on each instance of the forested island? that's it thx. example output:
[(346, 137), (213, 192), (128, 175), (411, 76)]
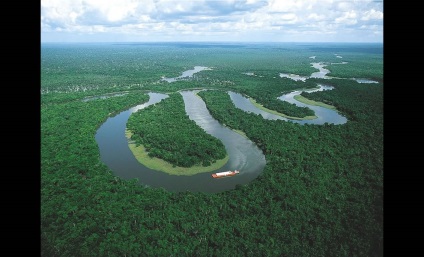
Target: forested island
[(165, 131), (319, 194)]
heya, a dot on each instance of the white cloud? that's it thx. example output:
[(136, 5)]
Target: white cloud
[(276, 19), (372, 27), (372, 15), (117, 10), (316, 17), (286, 6), (348, 18), (63, 13), (345, 6)]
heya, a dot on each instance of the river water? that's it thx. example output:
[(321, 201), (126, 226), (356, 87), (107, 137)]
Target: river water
[(322, 73), (244, 154), (324, 115), (187, 73)]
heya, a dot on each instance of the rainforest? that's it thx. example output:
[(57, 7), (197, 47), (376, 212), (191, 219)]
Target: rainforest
[(132, 132)]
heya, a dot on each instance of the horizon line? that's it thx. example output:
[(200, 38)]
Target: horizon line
[(227, 42)]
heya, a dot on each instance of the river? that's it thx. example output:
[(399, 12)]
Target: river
[(322, 73), (323, 114), (187, 73), (244, 154)]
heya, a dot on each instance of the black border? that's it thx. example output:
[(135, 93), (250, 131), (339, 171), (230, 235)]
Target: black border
[(21, 106)]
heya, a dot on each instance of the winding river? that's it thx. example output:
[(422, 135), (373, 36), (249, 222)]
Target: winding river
[(244, 154), (322, 73), (324, 115)]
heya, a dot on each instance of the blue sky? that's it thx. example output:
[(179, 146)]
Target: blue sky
[(212, 20)]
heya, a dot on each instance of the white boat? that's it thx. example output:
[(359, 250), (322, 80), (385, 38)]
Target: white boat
[(225, 174)]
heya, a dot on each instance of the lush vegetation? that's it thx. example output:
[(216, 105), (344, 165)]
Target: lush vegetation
[(361, 101), (266, 91), (364, 60), (166, 132), (321, 193), (332, 171), (154, 163)]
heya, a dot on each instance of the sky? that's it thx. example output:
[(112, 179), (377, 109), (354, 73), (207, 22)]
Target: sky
[(212, 21)]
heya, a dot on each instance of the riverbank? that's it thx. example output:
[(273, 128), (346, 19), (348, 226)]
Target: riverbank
[(305, 100), (261, 107), (154, 163)]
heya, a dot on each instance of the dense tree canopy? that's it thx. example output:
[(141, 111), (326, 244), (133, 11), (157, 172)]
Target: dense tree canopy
[(320, 194), (166, 132)]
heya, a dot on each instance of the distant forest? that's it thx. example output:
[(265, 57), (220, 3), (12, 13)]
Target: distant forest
[(320, 194)]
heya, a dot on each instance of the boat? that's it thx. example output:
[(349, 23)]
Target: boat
[(225, 174)]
